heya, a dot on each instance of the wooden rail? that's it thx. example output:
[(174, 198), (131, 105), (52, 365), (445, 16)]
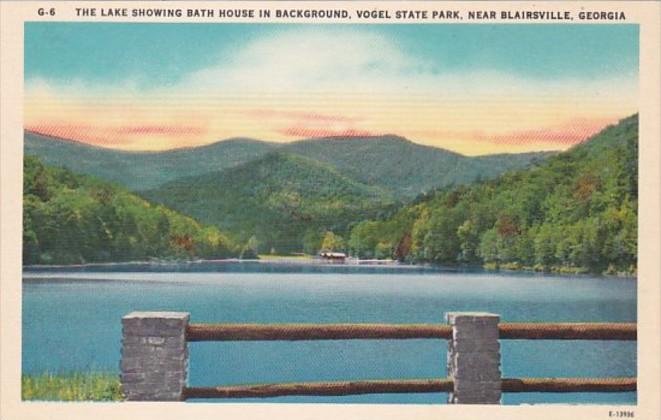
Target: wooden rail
[(322, 388), (408, 386), (568, 331), (291, 332), (569, 385), (258, 332)]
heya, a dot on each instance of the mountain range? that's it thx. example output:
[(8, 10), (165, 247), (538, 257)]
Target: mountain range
[(282, 196), (404, 168)]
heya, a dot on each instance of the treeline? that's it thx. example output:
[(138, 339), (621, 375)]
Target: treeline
[(576, 211), (71, 219)]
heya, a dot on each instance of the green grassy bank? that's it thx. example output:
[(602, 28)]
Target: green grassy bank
[(93, 386)]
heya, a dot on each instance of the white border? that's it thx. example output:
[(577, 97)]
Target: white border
[(14, 14)]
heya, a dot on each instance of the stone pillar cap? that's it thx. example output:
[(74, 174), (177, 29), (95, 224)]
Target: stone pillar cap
[(161, 315), (453, 315)]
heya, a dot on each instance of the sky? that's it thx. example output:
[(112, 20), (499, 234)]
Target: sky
[(473, 89)]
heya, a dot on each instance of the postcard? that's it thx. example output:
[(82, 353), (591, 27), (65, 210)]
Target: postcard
[(330, 210)]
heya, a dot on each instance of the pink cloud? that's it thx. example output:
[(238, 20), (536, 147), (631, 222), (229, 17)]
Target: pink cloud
[(77, 132), (300, 124), (309, 132), (160, 129), (565, 134), (117, 137)]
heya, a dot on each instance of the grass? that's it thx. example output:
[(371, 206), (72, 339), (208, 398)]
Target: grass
[(94, 386)]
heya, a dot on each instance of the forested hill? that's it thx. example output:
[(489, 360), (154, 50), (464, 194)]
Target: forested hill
[(285, 202), (576, 211), (404, 168), (143, 170), (72, 219)]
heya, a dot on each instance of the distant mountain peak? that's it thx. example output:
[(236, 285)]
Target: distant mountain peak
[(50, 137), (375, 137), (232, 140)]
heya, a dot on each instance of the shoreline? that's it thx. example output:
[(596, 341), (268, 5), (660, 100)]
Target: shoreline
[(295, 260), (314, 262)]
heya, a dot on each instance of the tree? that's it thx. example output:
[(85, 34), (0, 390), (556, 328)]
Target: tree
[(312, 241), (332, 242), (489, 247), (469, 239), (249, 251), (441, 243), (364, 238), (545, 246)]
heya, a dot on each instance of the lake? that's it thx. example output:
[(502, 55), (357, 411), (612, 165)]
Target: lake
[(72, 322)]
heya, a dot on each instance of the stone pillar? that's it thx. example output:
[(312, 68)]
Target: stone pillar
[(154, 356), (474, 358)]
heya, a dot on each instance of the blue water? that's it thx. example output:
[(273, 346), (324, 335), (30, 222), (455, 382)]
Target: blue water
[(71, 322)]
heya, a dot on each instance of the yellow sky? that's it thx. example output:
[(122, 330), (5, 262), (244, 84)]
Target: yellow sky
[(481, 124)]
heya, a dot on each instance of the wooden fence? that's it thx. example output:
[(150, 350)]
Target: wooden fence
[(155, 357), (294, 332)]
